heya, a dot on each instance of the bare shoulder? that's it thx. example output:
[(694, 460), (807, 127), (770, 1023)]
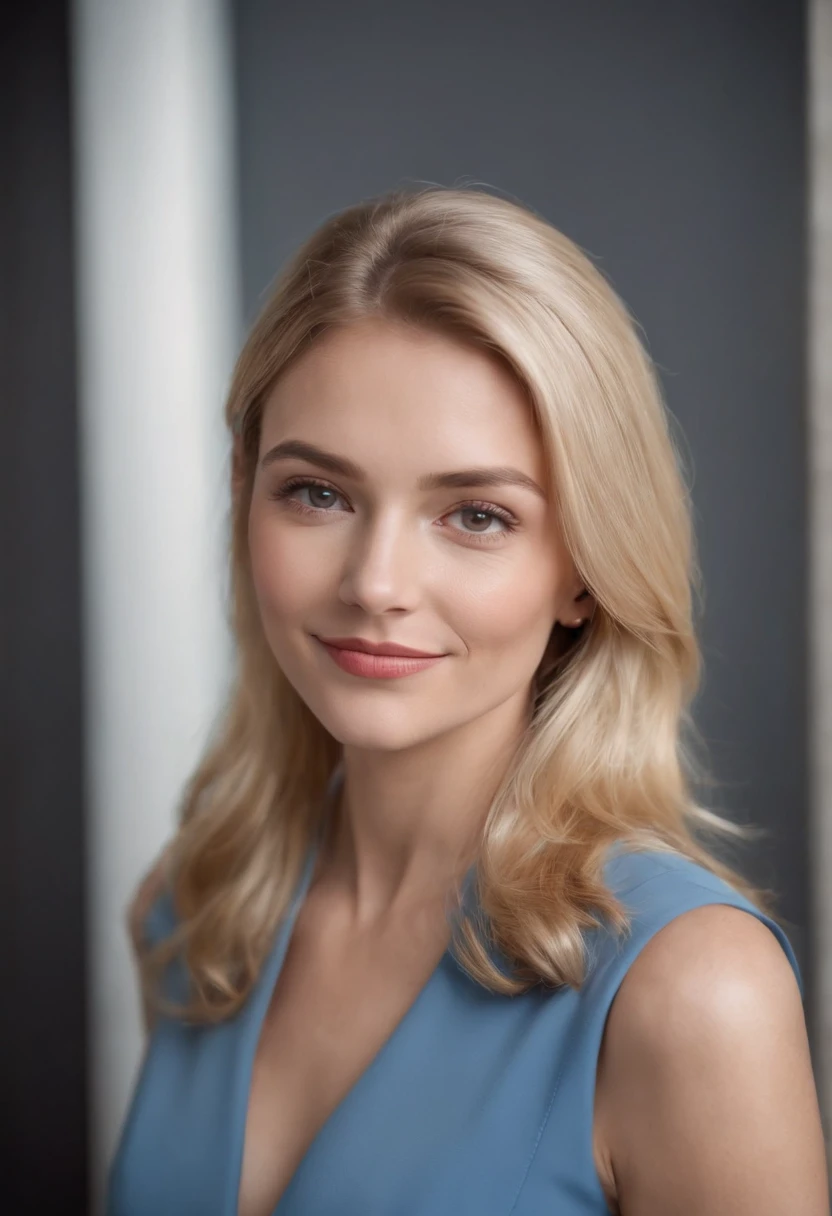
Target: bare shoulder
[(706, 1099)]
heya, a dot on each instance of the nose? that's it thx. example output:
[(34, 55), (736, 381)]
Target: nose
[(383, 566)]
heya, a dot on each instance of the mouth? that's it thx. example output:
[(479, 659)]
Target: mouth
[(377, 665), (365, 646)]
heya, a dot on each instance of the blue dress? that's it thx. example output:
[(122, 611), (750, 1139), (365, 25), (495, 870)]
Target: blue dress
[(477, 1105)]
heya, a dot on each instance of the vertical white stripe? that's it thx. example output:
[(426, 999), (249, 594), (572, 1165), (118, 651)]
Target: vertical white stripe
[(820, 471), (158, 325)]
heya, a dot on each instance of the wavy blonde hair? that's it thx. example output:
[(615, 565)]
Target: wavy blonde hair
[(608, 752)]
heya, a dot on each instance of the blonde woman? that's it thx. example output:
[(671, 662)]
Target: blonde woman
[(440, 932)]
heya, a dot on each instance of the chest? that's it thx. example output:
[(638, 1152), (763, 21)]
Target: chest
[(334, 1007), (474, 1102)]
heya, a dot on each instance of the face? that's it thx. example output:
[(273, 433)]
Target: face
[(371, 537)]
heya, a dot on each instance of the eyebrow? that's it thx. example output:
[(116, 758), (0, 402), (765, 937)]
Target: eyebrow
[(339, 465)]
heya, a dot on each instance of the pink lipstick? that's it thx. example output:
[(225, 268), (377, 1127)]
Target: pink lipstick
[(377, 660)]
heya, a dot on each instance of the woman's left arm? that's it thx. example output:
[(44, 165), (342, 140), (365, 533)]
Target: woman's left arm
[(706, 1103)]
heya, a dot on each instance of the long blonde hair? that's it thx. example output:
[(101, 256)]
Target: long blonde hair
[(608, 753)]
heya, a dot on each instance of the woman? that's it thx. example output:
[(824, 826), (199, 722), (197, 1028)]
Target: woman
[(439, 932)]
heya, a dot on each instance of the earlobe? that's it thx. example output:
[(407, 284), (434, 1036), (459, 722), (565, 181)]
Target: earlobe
[(581, 618)]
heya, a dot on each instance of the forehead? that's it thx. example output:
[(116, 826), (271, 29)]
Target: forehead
[(382, 391)]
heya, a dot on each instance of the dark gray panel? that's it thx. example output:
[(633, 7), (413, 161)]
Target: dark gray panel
[(43, 1081)]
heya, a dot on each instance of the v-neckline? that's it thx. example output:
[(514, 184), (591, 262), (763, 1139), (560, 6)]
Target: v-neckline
[(272, 970)]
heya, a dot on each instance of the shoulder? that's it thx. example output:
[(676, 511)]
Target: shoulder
[(705, 1085), (626, 870), (655, 889), (707, 971)]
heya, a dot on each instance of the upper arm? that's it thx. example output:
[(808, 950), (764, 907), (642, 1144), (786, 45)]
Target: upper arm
[(706, 1100)]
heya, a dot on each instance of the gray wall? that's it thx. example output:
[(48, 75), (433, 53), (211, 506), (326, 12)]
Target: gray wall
[(667, 139), (819, 439)]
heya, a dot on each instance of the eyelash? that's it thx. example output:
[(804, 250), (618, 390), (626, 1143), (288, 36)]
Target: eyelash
[(282, 494)]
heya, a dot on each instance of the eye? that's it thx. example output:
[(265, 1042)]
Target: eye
[(486, 513), (483, 512), (319, 489)]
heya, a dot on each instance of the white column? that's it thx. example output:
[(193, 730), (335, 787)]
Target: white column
[(159, 321), (820, 490)]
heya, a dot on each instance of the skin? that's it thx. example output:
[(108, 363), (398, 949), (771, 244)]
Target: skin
[(705, 1100)]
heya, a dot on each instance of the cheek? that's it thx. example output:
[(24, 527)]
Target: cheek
[(510, 624), (285, 581), (509, 610)]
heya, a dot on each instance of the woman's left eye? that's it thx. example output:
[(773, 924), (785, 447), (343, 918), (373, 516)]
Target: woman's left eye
[(489, 514), (484, 512)]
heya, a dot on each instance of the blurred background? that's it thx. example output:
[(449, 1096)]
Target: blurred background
[(160, 161)]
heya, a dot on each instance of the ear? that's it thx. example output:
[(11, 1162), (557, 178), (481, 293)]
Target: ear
[(578, 609), (585, 603)]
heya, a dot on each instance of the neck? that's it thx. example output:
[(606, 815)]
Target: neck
[(407, 824)]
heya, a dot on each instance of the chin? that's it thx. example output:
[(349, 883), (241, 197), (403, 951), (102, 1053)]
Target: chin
[(380, 728)]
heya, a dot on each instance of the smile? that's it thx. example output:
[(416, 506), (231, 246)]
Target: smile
[(378, 666)]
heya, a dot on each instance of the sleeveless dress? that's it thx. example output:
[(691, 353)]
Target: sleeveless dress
[(477, 1105)]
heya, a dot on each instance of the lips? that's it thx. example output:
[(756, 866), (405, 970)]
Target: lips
[(376, 666), (364, 646)]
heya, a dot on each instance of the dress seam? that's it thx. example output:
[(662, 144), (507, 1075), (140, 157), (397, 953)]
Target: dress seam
[(538, 1138)]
